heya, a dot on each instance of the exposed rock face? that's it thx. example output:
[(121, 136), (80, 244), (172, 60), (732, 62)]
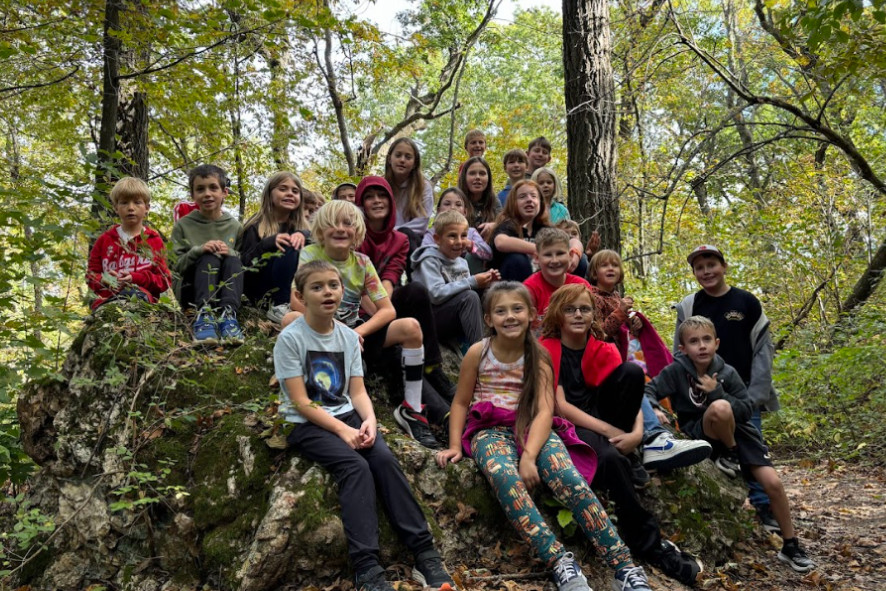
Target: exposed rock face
[(155, 469)]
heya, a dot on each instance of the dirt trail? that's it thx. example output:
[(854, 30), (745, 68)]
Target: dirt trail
[(840, 511)]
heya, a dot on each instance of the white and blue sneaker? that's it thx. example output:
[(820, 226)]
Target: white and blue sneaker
[(631, 579), (568, 575), (667, 453)]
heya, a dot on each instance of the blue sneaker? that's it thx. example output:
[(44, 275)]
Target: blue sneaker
[(204, 328), (229, 329), (631, 579), (568, 575)]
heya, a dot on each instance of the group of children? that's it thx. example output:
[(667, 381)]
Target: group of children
[(571, 409)]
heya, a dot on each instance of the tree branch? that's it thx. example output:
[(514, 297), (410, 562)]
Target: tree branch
[(42, 84)]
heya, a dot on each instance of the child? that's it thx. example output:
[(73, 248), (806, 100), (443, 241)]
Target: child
[(515, 164), (387, 249), (317, 362), (746, 343), (514, 234), (552, 258), (475, 143), (337, 229), (127, 260), (453, 199), (712, 403), (209, 272), (605, 273), (552, 193), (313, 201), (271, 242), (601, 396), (506, 381), (345, 191), (414, 198), (475, 181), (441, 268), (539, 153)]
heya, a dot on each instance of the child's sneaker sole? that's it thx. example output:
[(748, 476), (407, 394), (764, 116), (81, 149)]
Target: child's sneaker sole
[(800, 568)]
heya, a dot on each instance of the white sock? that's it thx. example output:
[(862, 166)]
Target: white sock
[(413, 368)]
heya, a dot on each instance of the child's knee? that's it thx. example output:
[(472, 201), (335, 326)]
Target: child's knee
[(720, 411), (410, 328), (289, 318)]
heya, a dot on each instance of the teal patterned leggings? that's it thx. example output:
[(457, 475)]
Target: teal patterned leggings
[(495, 451)]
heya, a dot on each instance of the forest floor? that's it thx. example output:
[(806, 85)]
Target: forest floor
[(840, 514)]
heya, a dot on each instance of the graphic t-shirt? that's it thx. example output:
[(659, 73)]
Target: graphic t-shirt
[(734, 315), (326, 362), (358, 277)]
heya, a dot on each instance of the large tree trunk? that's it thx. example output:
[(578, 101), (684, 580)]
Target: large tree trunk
[(132, 127), (111, 46), (590, 119)]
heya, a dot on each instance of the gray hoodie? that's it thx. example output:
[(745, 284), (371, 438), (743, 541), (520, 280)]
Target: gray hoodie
[(444, 277), (679, 382)]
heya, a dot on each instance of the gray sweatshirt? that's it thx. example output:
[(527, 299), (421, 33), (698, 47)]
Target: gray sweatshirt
[(444, 277)]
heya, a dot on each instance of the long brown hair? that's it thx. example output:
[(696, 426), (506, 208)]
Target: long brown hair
[(265, 218), (554, 315), (534, 355), (415, 183), (511, 213), (485, 208)]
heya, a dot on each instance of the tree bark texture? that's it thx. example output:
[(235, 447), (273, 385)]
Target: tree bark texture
[(132, 128), (111, 46), (591, 119)]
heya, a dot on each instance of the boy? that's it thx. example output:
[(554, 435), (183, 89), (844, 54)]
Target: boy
[(345, 191), (539, 154), (209, 275), (441, 268), (317, 362), (127, 260), (747, 346), (712, 403), (338, 228), (515, 164), (475, 143)]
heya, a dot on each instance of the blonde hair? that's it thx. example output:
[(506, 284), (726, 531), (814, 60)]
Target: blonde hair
[(334, 212), (448, 218), (696, 322), (567, 225), (605, 256), (558, 188), (266, 220), (549, 236), (130, 186), (474, 133)]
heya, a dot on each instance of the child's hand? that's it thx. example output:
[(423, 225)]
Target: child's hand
[(593, 244), (626, 304), (486, 278), (351, 436), (282, 241), (447, 456), (109, 278), (663, 418), (469, 245), (216, 247), (707, 383), (124, 279), (626, 442), (636, 325), (485, 230), (367, 432), (529, 472), (297, 240)]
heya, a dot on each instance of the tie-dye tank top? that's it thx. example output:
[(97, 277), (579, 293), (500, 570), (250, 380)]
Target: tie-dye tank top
[(498, 383)]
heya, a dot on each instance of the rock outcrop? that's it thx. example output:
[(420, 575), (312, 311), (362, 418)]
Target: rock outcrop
[(156, 471)]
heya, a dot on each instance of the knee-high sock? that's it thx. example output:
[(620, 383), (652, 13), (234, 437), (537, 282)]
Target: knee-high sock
[(413, 365)]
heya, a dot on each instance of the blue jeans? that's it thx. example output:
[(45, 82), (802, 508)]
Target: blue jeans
[(756, 495), (651, 425)]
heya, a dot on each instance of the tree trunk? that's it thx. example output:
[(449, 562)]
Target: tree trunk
[(132, 127), (111, 46), (590, 119)]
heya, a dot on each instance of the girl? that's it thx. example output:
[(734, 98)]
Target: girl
[(414, 197), (506, 380), (453, 198), (387, 249), (513, 246), (602, 395), (278, 227), (552, 193), (475, 181), (313, 202)]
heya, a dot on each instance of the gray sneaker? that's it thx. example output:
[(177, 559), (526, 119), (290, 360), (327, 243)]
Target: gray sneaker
[(568, 575), (276, 313)]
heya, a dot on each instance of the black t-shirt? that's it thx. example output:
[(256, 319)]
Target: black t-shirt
[(509, 228), (573, 382), (734, 315)]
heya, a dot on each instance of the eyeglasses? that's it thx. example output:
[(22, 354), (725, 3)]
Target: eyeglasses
[(583, 310)]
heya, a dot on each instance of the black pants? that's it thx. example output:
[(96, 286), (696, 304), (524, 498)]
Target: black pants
[(412, 301), (359, 474), (272, 280), (213, 281), (617, 401)]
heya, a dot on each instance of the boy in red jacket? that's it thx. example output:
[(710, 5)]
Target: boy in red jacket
[(128, 260)]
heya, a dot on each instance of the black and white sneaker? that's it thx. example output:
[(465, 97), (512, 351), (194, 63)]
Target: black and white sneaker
[(667, 453), (794, 556), (767, 519), (728, 464), (568, 575), (415, 425), (631, 579), (430, 572), (372, 580), (676, 564)]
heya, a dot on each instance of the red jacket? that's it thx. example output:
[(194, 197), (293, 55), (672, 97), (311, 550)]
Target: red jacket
[(599, 359), (142, 257), (388, 248)]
